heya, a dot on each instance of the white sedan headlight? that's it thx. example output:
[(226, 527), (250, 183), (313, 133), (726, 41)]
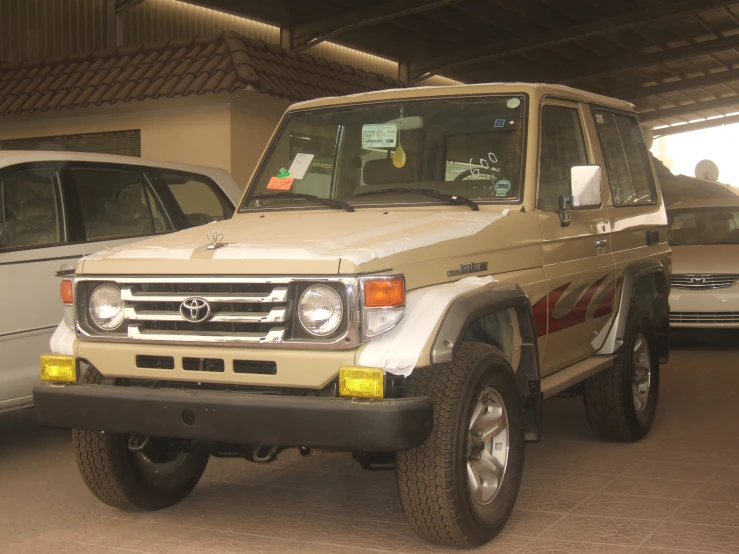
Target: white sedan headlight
[(320, 310), (106, 307)]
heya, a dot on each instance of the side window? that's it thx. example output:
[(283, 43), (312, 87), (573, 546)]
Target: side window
[(30, 208), (199, 199), (626, 158), (562, 146), (115, 203)]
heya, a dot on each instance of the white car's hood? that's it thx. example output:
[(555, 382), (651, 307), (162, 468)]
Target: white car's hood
[(705, 259)]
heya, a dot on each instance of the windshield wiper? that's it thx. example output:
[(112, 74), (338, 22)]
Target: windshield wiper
[(330, 202), (452, 198)]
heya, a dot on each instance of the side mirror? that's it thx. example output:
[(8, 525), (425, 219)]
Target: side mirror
[(586, 184)]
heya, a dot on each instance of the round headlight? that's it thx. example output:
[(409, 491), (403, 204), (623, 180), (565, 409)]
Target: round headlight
[(106, 307), (320, 310)]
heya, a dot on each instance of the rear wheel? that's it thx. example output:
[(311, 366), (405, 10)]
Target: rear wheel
[(621, 401), (460, 486)]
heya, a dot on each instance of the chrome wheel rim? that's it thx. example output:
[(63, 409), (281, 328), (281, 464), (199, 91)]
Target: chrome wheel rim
[(487, 447), (642, 380)]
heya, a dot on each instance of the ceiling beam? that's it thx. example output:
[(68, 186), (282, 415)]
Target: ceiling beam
[(425, 68), (678, 86), (645, 60), (696, 126), (309, 34), (689, 109), (274, 12)]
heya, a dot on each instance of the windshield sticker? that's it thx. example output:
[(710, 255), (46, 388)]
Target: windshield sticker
[(500, 122), (599, 117), (300, 165), (513, 103), (280, 183), (502, 187), (379, 135), (283, 173)]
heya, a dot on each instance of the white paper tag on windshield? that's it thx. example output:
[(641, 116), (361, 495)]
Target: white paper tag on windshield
[(379, 135), (300, 165)]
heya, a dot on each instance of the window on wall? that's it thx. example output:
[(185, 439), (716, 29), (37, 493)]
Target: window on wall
[(122, 143), (30, 208), (562, 146), (626, 156)]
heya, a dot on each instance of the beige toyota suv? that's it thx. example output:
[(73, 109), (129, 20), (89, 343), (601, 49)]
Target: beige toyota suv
[(409, 275)]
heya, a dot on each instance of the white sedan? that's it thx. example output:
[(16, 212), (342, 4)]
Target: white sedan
[(704, 236), (55, 208)]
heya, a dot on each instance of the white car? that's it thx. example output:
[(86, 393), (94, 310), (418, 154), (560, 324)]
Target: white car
[(55, 208), (704, 236)]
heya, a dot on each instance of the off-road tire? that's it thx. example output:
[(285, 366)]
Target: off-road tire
[(609, 402), (108, 469), (432, 479)]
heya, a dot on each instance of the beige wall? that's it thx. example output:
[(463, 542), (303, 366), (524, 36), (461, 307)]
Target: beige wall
[(230, 134), (198, 135), (251, 128)]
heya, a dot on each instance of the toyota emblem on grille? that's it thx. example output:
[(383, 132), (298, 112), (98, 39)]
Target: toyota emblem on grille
[(698, 280), (195, 310)]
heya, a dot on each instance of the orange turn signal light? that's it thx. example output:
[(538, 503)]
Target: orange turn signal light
[(65, 291), (385, 293)]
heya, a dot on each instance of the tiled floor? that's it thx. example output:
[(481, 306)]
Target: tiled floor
[(676, 491)]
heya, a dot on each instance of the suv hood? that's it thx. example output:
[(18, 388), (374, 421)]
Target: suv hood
[(705, 259), (315, 242)]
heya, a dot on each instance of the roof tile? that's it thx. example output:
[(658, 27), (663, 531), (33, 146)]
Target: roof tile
[(200, 65)]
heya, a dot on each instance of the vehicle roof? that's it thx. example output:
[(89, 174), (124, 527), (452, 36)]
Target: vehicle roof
[(220, 176), (533, 89), (706, 203)]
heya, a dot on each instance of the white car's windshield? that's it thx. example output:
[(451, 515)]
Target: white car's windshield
[(468, 147), (704, 226)]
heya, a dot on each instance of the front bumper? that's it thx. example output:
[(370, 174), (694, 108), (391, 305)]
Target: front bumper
[(234, 417), (705, 308)]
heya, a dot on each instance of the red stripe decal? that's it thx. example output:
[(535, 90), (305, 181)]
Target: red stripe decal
[(578, 313)]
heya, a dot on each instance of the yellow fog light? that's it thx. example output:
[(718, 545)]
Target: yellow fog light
[(361, 382), (58, 369)]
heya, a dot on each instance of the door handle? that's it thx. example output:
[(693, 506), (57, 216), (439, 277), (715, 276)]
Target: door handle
[(600, 243)]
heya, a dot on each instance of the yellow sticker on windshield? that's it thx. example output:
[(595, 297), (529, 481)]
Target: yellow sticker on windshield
[(399, 157)]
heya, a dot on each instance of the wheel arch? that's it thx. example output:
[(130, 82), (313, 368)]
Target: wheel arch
[(502, 317), (645, 283)]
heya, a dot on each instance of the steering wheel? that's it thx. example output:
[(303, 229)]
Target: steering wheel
[(468, 173)]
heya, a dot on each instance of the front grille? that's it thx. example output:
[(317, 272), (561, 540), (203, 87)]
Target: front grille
[(700, 281), (704, 317), (239, 311)]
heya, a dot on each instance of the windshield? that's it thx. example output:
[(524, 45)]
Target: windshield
[(703, 226), (470, 147)]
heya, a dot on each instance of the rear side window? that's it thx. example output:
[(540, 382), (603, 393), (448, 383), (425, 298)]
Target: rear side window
[(116, 203), (199, 199), (562, 147), (30, 208), (627, 159)]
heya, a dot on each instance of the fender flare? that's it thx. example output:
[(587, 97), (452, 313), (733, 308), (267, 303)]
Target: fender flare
[(632, 274), (465, 310)]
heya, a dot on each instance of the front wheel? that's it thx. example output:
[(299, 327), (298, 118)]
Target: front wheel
[(157, 475), (136, 474), (459, 487)]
